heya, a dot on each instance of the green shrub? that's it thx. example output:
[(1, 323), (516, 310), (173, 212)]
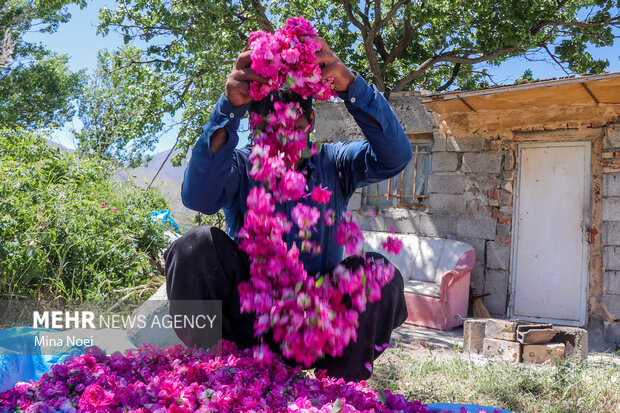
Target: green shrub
[(67, 229)]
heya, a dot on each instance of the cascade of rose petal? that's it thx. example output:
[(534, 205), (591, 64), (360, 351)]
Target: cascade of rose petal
[(307, 316)]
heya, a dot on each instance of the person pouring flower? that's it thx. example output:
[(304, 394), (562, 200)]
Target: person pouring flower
[(208, 263)]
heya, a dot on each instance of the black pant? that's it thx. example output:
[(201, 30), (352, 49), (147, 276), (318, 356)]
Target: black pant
[(205, 264)]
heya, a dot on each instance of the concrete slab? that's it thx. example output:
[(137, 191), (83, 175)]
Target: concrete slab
[(413, 336)]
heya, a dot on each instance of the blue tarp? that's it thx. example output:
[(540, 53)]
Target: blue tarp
[(165, 217), (21, 360), (456, 408)]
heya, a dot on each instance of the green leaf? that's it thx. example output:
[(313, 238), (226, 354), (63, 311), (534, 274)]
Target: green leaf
[(319, 282), (381, 396), (298, 287), (337, 406)]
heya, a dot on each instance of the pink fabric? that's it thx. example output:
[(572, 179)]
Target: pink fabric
[(453, 298)]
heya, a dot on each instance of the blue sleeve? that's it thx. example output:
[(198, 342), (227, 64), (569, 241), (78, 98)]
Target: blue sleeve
[(386, 150), (212, 181)]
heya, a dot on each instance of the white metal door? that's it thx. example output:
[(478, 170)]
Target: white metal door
[(550, 250)]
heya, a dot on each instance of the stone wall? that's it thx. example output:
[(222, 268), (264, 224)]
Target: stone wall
[(611, 232), (470, 192), (471, 186)]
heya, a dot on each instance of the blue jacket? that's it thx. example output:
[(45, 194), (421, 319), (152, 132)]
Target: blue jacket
[(222, 180)]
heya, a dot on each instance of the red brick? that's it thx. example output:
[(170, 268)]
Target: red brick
[(505, 220), (504, 240), (502, 349), (572, 125), (493, 193), (597, 124), (541, 353), (495, 213)]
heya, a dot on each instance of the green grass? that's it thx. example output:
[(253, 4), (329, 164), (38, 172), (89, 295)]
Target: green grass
[(569, 387)]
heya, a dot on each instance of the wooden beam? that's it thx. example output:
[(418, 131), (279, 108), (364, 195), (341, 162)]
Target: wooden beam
[(466, 104), (590, 93)]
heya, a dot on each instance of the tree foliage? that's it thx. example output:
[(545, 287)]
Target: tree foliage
[(122, 107), (396, 44), (36, 85)]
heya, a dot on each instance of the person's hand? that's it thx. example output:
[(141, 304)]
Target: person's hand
[(332, 66), (238, 83)]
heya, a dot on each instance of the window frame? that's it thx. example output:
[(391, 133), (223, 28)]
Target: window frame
[(417, 141)]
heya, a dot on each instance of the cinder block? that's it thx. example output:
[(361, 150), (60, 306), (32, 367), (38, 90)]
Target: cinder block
[(611, 233), (467, 144), (446, 203), (543, 353), (611, 302), (575, 340), (502, 349), (498, 255), (496, 283), (611, 258), (473, 335), (445, 161), (489, 162), (611, 184), (501, 329), (612, 282), (612, 136), (446, 183), (611, 332), (482, 227), (611, 208)]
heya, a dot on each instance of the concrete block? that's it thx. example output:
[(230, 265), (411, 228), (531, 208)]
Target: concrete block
[(448, 203), (574, 339), (335, 123), (444, 161), (483, 227), (468, 144), (479, 246), (612, 136), (445, 225), (611, 302), (612, 282), (446, 183), (498, 255), (611, 233), (611, 208), (611, 332), (156, 306), (504, 230), (502, 349), (535, 333), (488, 162), (543, 353), (481, 184), (611, 185), (416, 117), (473, 335), (477, 276), (439, 142), (496, 283), (509, 160), (501, 329), (611, 258), (368, 223), (355, 202)]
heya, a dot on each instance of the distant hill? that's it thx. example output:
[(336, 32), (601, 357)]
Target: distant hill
[(168, 181)]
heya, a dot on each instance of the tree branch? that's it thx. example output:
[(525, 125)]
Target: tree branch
[(352, 19), (410, 32), (455, 72), (555, 59), (266, 24)]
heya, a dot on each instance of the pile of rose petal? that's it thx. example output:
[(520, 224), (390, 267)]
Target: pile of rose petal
[(307, 316), (178, 379)]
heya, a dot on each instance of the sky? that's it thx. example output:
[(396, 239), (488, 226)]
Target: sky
[(79, 40)]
